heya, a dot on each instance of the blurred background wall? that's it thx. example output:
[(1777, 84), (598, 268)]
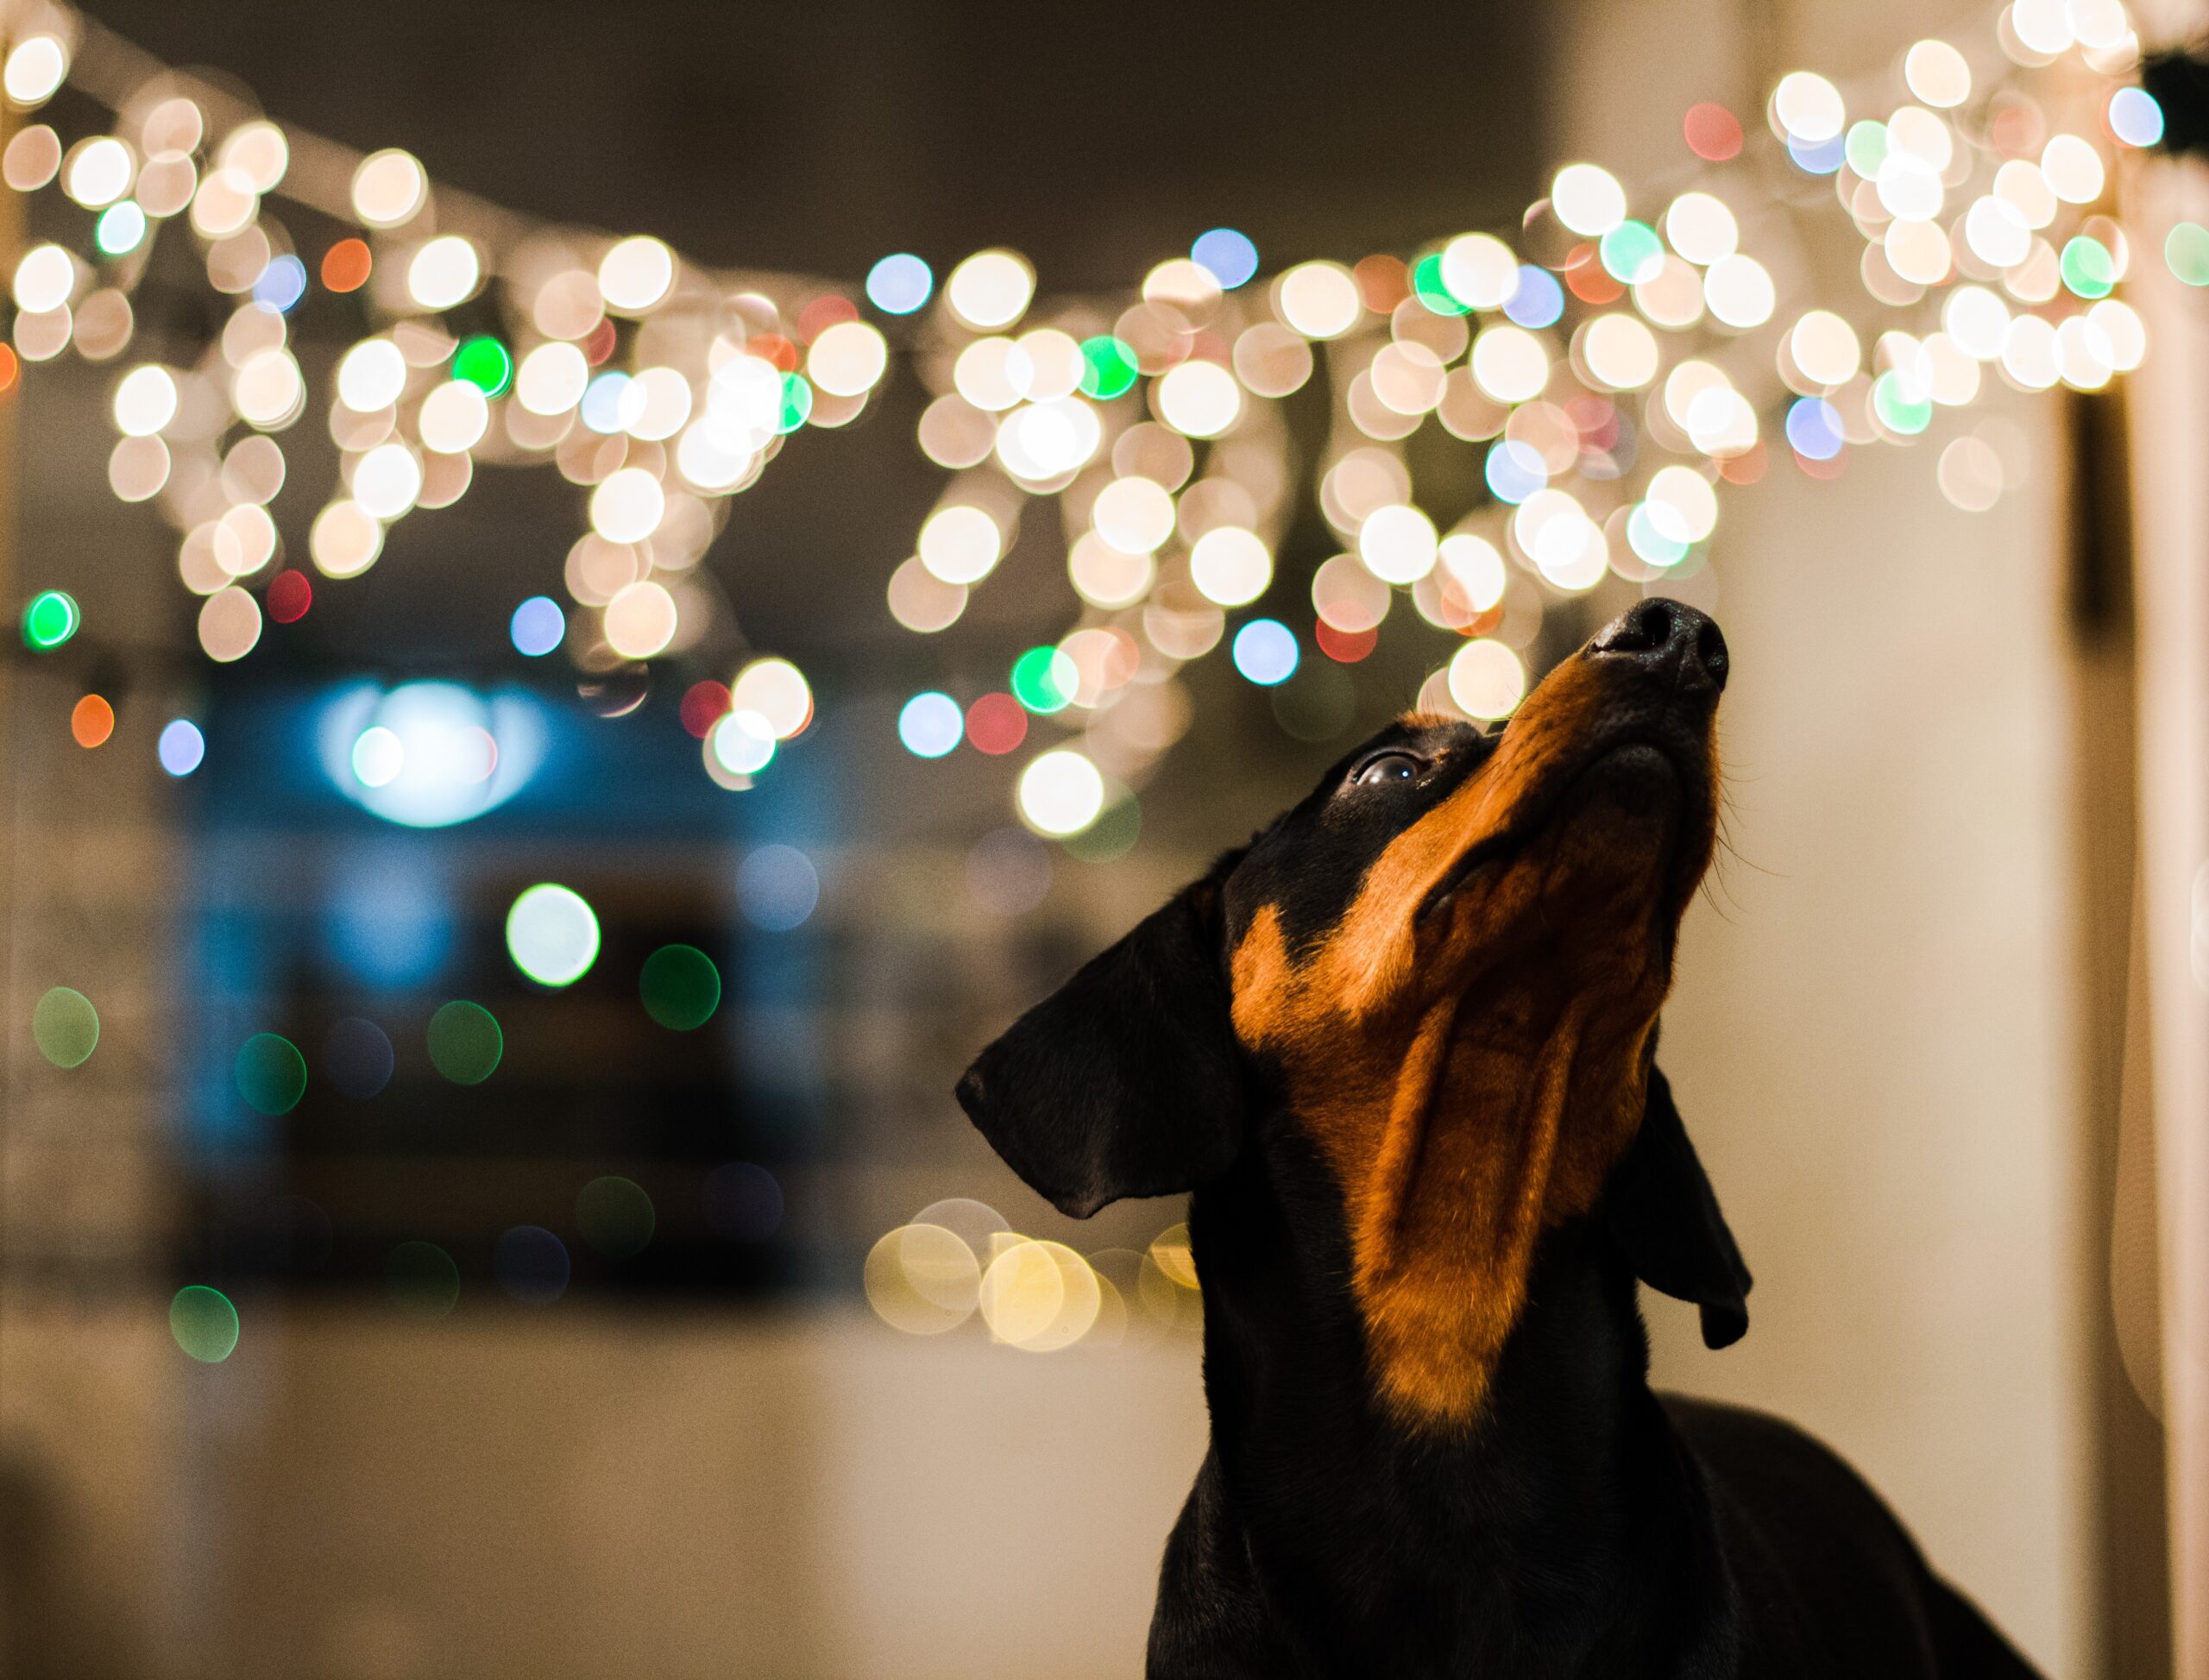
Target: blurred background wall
[(1894, 1033)]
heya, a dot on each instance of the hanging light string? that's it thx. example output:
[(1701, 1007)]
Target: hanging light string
[(1615, 361)]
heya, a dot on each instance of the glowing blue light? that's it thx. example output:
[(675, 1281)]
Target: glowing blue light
[(602, 405), (181, 747), (1515, 470), (539, 626), (426, 755), (119, 230), (1821, 159), (930, 725), (777, 887), (1265, 651), (390, 921), (281, 284), (1540, 300), (899, 285), (1814, 429), (2134, 117), (1229, 255)]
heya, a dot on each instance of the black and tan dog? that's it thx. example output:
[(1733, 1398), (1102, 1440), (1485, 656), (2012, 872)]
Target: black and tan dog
[(1401, 1047)]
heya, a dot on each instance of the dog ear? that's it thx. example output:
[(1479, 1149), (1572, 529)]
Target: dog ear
[(1664, 1219), (1124, 1081)]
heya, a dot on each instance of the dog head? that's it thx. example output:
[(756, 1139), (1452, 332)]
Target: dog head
[(1444, 967)]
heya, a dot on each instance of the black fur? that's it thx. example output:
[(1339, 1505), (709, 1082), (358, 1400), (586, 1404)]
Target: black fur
[(1585, 1525)]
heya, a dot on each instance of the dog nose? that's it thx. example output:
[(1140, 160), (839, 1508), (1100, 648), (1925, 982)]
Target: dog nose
[(1668, 639)]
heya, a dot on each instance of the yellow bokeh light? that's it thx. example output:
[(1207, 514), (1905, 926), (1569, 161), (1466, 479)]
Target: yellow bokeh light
[(640, 620), (922, 1280), (636, 275), (444, 272), (1825, 347), (1588, 199), (1199, 398), (345, 539), (990, 289), (389, 188), (1487, 679), (1398, 543), (628, 505), (1039, 1296), (1060, 793), (1510, 364), (1231, 566), (1320, 299), (777, 691), (848, 358), (961, 543)]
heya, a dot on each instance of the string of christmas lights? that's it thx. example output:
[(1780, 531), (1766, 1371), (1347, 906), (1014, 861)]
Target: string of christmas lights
[(1614, 361)]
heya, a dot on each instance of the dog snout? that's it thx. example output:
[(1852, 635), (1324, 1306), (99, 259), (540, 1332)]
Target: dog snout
[(1673, 642)]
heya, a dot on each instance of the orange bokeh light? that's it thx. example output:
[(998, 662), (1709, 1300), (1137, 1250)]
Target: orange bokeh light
[(92, 721), (345, 265)]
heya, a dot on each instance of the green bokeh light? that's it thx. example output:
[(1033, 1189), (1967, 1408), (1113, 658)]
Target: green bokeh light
[(1108, 367), (465, 1042), (1867, 148), (1044, 679), (272, 1075), (1113, 835), (681, 987), (797, 403), (1316, 703), (50, 618), (1897, 412), (1631, 253), (66, 1027), (1427, 287), (2187, 251), (485, 363), (2088, 268), (205, 1323), (422, 1280), (615, 1217)]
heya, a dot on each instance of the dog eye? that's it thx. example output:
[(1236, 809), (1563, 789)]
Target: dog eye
[(1386, 768)]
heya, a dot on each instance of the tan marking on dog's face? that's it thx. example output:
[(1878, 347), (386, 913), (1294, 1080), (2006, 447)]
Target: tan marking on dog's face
[(1471, 1080)]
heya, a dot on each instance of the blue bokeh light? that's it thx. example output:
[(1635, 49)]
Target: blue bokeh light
[(1515, 470), (539, 626), (777, 887), (181, 747), (1814, 429), (930, 725), (281, 284), (1539, 300), (1265, 651), (1229, 256), (899, 284), (1820, 159), (2134, 117)]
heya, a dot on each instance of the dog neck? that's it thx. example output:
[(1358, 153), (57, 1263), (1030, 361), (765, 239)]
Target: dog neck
[(1563, 1523)]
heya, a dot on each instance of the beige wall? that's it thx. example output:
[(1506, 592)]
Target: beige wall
[(1873, 1032), (597, 1494), (1870, 1034)]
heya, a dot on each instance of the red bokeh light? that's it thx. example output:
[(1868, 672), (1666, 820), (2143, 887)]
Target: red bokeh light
[(1713, 132), (290, 595), (704, 705), (1344, 647), (997, 723)]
